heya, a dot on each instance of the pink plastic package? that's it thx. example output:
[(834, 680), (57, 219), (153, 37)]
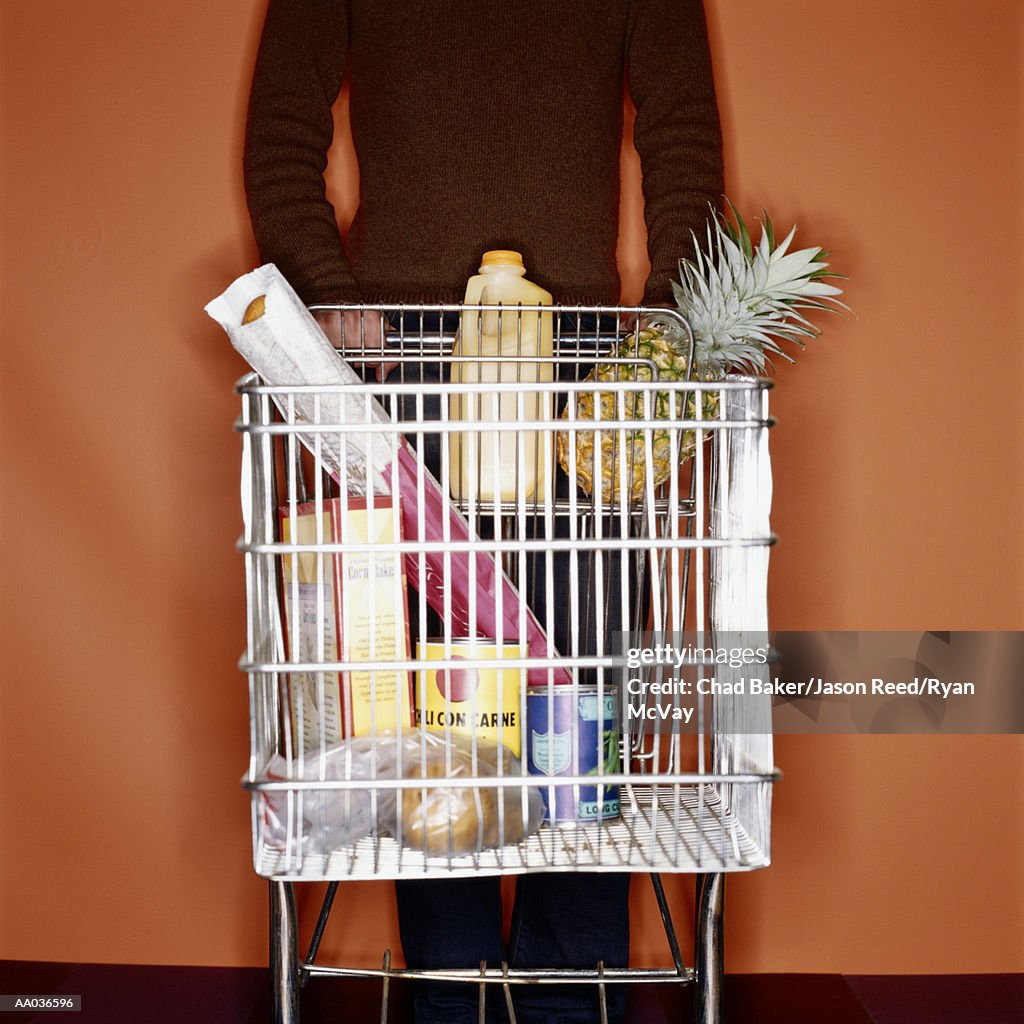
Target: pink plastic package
[(455, 568)]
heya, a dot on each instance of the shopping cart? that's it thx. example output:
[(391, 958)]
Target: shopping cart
[(442, 673)]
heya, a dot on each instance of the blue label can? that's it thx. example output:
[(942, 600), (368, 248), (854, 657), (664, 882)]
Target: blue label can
[(571, 730)]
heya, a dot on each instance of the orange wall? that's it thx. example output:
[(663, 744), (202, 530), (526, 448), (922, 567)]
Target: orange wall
[(891, 132)]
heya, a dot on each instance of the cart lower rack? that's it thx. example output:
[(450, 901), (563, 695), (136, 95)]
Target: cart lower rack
[(485, 602)]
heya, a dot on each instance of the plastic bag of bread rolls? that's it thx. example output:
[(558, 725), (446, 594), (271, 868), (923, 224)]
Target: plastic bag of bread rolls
[(440, 818)]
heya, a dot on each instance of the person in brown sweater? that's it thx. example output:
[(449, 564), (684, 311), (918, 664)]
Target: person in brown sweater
[(477, 125)]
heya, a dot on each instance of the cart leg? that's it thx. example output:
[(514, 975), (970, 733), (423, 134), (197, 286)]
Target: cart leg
[(666, 920), (708, 962), (318, 931), (284, 955)]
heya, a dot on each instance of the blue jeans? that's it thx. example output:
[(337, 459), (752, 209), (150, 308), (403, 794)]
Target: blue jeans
[(559, 920)]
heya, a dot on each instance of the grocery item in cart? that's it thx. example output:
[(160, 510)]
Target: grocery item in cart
[(468, 699), (330, 401), (506, 465), (736, 303), (346, 606), (574, 731), (437, 818), (452, 820), (624, 460), (321, 820)]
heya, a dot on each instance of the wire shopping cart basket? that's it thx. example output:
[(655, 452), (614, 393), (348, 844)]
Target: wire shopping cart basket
[(481, 597)]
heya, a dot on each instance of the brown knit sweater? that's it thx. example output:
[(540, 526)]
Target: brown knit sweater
[(479, 124)]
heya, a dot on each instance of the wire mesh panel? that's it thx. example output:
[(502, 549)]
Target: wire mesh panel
[(458, 576)]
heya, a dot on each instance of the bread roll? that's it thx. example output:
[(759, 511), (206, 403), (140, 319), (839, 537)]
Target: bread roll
[(255, 309), (465, 815)]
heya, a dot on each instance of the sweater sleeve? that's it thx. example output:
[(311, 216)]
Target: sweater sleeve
[(677, 131), (299, 70)]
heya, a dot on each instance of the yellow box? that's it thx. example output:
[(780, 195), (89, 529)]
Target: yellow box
[(351, 608)]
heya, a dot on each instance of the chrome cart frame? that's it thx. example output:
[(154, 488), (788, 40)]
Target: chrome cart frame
[(668, 538)]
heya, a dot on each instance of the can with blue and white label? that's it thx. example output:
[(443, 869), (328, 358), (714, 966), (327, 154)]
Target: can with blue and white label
[(573, 730)]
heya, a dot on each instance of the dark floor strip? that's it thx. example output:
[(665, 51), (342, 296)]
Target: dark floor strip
[(112, 994), (942, 998)]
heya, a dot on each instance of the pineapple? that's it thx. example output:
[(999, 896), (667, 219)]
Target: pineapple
[(625, 451), (740, 301)]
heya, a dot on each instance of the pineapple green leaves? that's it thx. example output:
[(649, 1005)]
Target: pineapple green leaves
[(742, 301)]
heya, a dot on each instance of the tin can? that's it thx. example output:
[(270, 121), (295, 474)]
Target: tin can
[(571, 730), (467, 699)]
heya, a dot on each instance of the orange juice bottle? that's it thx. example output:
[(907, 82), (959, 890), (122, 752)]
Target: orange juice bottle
[(505, 465)]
